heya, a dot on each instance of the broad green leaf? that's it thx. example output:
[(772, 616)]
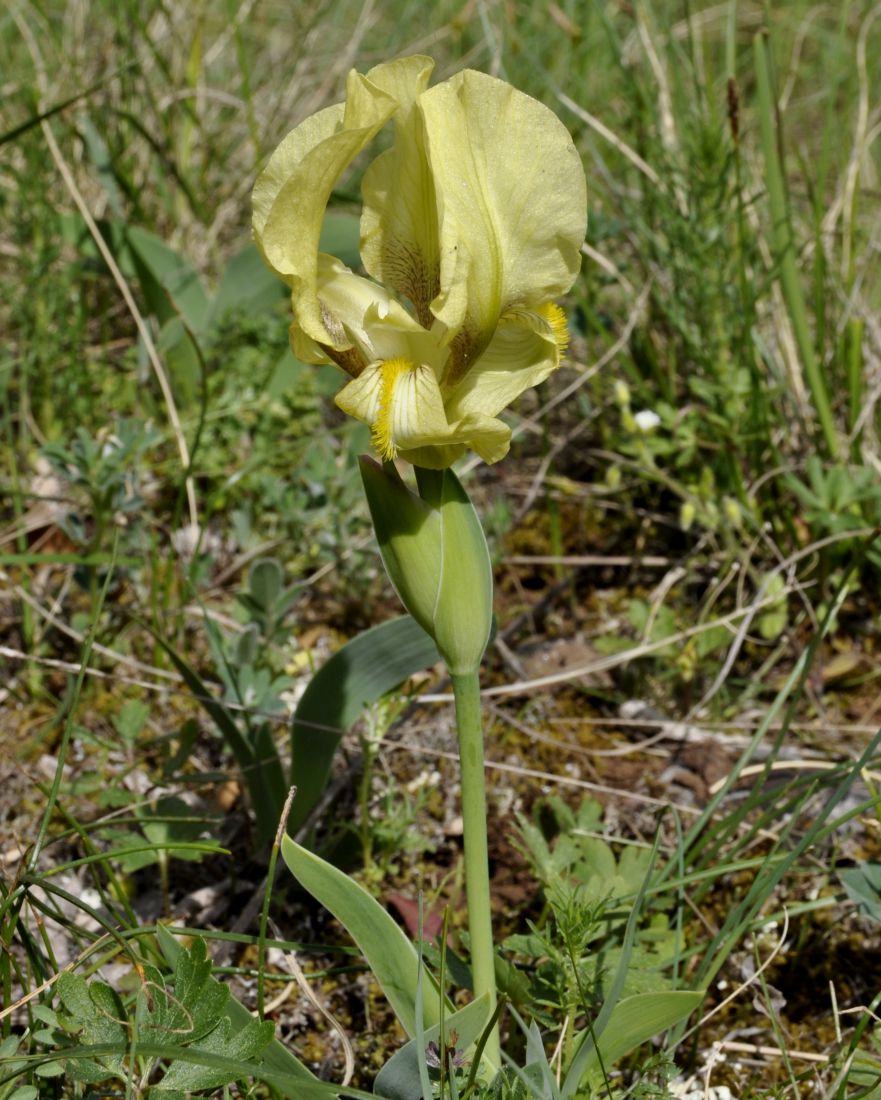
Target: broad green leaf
[(399, 1077), (55, 1069), (633, 865), (87, 1070), (419, 1017), (392, 958), (170, 821), (341, 237), (865, 1073), (591, 860), (231, 1068), (265, 581), (290, 375), (176, 344), (290, 1077), (9, 1064), (176, 297), (103, 162), (77, 234), (365, 669), (110, 1014), (170, 283), (198, 994), (633, 1021), (513, 982), (74, 994), (44, 1014), (246, 283), (537, 1074)]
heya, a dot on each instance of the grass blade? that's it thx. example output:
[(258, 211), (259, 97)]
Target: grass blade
[(784, 247)]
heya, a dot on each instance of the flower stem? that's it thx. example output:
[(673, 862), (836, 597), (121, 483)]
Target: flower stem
[(466, 688)]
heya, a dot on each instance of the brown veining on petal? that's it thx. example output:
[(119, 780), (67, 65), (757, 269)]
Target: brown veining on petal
[(404, 268), (463, 351)]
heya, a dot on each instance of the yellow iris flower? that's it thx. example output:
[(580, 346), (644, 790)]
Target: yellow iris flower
[(474, 218)]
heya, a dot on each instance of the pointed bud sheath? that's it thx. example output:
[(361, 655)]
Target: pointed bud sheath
[(436, 556)]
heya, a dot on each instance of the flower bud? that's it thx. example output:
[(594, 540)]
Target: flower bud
[(436, 556)]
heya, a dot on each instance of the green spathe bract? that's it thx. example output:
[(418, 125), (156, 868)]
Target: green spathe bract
[(436, 556)]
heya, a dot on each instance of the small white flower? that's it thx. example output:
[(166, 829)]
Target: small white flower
[(646, 420)]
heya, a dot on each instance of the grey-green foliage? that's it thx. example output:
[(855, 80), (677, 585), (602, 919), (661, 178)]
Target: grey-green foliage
[(599, 954), (191, 319), (106, 475), (584, 883), (401, 1079), (248, 664), (836, 499), (863, 886), (267, 600), (12, 1071), (175, 1039), (359, 674)]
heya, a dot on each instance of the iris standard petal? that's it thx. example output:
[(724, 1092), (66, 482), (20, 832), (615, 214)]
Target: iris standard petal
[(399, 221), (512, 201), (310, 161), (284, 162)]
